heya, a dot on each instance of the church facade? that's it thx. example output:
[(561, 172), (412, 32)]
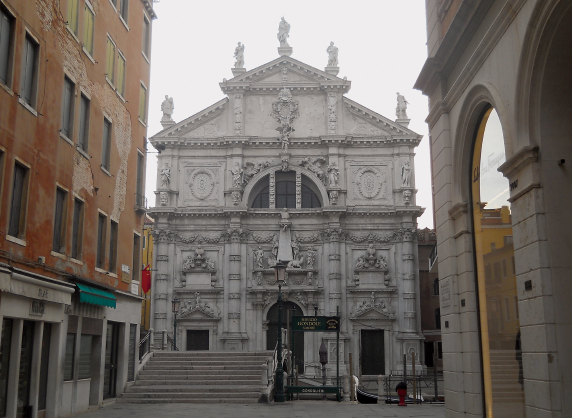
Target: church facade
[(286, 167)]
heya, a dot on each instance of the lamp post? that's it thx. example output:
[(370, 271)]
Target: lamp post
[(323, 360), (280, 272), (176, 304)]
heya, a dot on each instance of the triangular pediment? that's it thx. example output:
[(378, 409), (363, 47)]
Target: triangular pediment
[(199, 314), (284, 71), (208, 123), (361, 121), (366, 310)]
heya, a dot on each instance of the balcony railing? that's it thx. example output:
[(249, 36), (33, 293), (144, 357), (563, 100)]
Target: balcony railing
[(140, 202)]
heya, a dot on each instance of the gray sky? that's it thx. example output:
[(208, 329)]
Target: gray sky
[(381, 51)]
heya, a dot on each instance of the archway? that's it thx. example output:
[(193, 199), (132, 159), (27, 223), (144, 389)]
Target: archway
[(272, 333), (496, 275)]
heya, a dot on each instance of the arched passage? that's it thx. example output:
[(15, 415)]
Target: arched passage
[(288, 309)]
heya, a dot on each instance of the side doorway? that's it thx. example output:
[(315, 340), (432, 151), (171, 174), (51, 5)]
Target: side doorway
[(288, 309), (111, 352), (372, 352)]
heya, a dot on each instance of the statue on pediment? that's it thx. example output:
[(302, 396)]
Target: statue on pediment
[(283, 33), (401, 109), (239, 55), (332, 55), (167, 107)]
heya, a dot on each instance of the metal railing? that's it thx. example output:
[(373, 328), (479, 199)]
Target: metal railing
[(145, 345), (172, 343), (422, 383)]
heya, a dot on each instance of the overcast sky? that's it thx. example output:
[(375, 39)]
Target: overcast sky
[(382, 48)]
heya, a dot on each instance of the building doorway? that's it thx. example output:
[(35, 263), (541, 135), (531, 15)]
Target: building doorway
[(111, 351), (372, 352), (288, 309), (25, 373), (197, 339)]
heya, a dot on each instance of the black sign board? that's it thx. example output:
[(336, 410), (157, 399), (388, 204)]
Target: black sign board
[(316, 323)]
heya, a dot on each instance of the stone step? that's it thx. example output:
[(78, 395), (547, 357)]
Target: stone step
[(206, 362), (200, 377), (194, 382), (197, 372), (194, 389), (187, 395), (211, 354), (238, 400)]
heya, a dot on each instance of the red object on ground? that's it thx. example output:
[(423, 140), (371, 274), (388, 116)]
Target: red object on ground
[(146, 279), (402, 393)]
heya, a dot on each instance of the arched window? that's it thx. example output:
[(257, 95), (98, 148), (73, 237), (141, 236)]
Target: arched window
[(286, 196)]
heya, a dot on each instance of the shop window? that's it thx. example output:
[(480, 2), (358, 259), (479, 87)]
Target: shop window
[(69, 356), (84, 369)]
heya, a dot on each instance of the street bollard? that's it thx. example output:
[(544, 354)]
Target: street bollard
[(346, 386)]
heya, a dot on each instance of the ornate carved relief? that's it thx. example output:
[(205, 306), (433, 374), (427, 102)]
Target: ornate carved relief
[(202, 182), (310, 258), (371, 261), (333, 174), (238, 114), (315, 166), (198, 261), (406, 174), (236, 197), (370, 182), (407, 196), (272, 190), (208, 130), (250, 169), (164, 196), (311, 238), (298, 190), (271, 237), (334, 197), (332, 113), (285, 111), (382, 306), (234, 315)]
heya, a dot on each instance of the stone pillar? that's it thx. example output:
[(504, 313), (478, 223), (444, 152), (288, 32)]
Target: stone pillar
[(161, 283), (409, 294), (272, 190), (335, 274), (298, 189)]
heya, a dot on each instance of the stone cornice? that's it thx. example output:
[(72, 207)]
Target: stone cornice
[(523, 157), (458, 209), (148, 5)]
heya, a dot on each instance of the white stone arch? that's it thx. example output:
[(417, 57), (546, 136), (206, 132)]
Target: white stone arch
[(479, 99), (298, 169)]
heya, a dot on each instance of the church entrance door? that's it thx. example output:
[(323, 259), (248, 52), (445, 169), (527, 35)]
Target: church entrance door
[(272, 333)]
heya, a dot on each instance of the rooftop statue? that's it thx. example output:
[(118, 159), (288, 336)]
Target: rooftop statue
[(239, 55), (332, 55), (283, 33), (167, 107), (401, 109)]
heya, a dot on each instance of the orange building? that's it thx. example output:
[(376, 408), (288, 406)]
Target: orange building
[(74, 78)]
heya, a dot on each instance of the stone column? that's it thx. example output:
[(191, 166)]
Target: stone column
[(234, 336), (298, 189), (335, 275), (409, 294), (272, 190), (161, 283)]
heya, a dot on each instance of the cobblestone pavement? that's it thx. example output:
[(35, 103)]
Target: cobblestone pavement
[(296, 409)]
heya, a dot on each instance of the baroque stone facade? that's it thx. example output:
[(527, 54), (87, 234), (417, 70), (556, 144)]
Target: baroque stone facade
[(286, 167)]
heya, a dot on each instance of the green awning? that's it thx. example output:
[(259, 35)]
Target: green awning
[(88, 294)]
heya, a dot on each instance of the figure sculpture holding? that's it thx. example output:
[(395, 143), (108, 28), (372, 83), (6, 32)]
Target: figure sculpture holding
[(360, 264), (210, 264), (401, 109), (406, 174), (198, 298), (311, 257), (275, 247), (239, 55), (199, 253), (236, 172), (333, 174), (258, 257), (283, 33), (165, 176), (380, 263), (295, 249), (332, 55), (167, 107), (370, 251)]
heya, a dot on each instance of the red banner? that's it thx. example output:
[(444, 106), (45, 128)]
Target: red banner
[(146, 279)]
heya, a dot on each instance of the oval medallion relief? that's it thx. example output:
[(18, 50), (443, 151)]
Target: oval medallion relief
[(202, 184), (368, 182)]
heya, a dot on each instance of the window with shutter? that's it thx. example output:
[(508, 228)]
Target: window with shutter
[(58, 243), (72, 15), (110, 61), (124, 9), (6, 22), (143, 103), (29, 71), (77, 229), (83, 136), (113, 247), (88, 20), (19, 198), (121, 74), (146, 36), (101, 229), (105, 153), (67, 108)]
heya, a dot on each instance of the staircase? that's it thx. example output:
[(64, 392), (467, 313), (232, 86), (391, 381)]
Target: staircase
[(199, 377), (505, 368)]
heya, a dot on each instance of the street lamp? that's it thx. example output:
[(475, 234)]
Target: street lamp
[(280, 273), (176, 304)]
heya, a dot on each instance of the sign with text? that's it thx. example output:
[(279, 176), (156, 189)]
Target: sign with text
[(316, 323)]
